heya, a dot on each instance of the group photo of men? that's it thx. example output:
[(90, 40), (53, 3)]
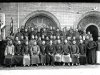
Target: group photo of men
[(49, 46)]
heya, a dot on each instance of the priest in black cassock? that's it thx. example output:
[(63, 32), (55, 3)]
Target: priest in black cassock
[(91, 53)]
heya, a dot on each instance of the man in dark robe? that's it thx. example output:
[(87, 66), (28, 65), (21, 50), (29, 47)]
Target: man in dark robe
[(31, 33), (25, 33), (91, 53), (18, 34), (26, 54), (75, 53), (59, 52), (18, 58), (3, 44), (98, 50), (50, 52), (66, 53), (43, 53), (22, 29), (82, 51)]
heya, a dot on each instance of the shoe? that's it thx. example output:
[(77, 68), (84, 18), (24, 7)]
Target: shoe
[(64, 64), (44, 64), (37, 65), (68, 64)]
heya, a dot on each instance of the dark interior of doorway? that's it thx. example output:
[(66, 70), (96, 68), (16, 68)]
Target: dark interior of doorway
[(94, 31)]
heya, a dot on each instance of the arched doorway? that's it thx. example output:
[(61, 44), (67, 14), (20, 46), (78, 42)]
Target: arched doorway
[(41, 18), (94, 31), (90, 21)]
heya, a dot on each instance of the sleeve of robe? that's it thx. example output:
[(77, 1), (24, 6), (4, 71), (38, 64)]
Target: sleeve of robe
[(6, 50), (46, 50), (61, 49), (13, 48), (54, 50), (77, 49), (38, 50)]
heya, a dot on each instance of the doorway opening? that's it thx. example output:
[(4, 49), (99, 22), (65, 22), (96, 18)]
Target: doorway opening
[(94, 31)]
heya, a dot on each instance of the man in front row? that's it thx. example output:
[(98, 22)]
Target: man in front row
[(50, 51)]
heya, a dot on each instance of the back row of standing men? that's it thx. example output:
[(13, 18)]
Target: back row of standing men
[(49, 45)]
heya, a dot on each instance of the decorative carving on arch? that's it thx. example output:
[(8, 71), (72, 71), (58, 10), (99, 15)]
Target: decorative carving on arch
[(92, 17), (41, 18)]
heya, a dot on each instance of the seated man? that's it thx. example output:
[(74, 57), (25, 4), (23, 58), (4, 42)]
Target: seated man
[(18, 54), (26, 54), (75, 53), (43, 53), (59, 51), (35, 51), (50, 52), (66, 53), (9, 52)]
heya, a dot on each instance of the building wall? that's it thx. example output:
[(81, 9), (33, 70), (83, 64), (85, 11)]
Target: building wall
[(68, 14)]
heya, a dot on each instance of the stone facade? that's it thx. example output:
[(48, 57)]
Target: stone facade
[(68, 14)]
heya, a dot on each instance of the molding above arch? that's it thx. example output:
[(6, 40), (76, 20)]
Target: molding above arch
[(41, 12), (90, 13)]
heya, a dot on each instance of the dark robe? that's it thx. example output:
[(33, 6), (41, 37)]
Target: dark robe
[(30, 34), (50, 52), (19, 34), (18, 58), (59, 48), (26, 55), (25, 34), (66, 53), (91, 53), (75, 53), (82, 51), (43, 54), (3, 44)]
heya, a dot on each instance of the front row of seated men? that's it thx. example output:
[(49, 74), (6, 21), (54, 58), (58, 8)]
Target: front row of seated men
[(29, 53)]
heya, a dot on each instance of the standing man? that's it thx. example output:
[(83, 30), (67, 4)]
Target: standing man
[(18, 34), (91, 53), (98, 51), (43, 53), (82, 51)]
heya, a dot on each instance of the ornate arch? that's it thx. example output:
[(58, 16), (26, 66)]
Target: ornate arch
[(41, 12), (91, 17)]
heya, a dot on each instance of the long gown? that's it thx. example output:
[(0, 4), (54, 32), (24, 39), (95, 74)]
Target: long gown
[(82, 51), (75, 53), (9, 52), (43, 54), (66, 57), (91, 53), (35, 50)]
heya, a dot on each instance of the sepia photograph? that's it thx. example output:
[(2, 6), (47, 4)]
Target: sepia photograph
[(49, 36)]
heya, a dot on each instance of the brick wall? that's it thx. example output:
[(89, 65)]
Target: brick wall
[(66, 16)]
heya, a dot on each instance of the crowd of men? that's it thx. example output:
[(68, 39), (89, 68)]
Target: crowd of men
[(50, 46)]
